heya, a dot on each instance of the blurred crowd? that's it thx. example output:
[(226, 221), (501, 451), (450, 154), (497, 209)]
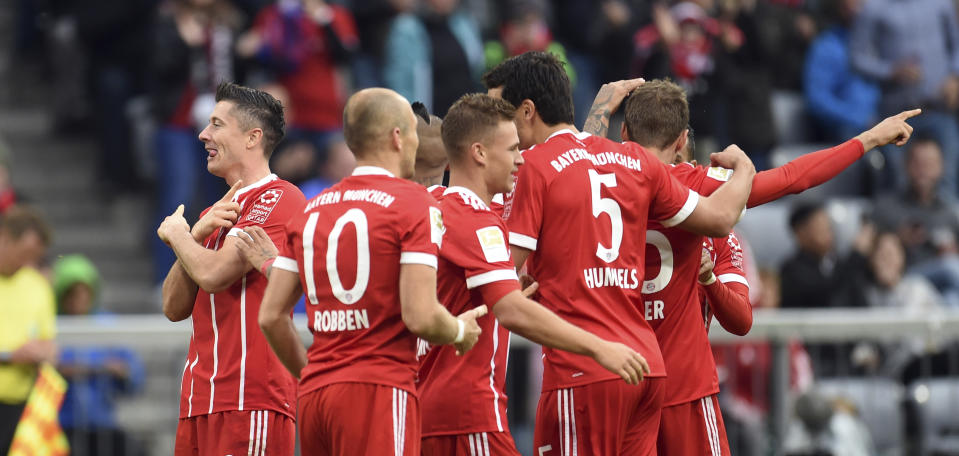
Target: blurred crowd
[(138, 75)]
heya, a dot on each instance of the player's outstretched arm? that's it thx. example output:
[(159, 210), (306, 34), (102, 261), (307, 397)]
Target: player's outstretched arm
[(280, 297), (818, 167), (427, 318), (538, 324), (715, 215), (211, 270)]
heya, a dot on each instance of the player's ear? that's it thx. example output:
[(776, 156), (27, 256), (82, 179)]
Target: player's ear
[(624, 133), (254, 137), (478, 153), (527, 109), (680, 142), (396, 138)]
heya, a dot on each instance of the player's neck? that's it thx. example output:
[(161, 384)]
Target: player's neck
[(472, 181), (664, 155), (543, 131), (248, 174), (389, 165)]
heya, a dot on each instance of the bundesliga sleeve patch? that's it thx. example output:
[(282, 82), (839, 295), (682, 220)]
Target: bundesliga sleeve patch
[(493, 242), (720, 174), (263, 206), (437, 228)]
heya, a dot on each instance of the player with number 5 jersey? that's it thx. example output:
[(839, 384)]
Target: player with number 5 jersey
[(365, 252), (580, 207)]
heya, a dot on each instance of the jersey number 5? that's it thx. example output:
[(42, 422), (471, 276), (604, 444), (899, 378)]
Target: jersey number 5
[(611, 208), (358, 218)]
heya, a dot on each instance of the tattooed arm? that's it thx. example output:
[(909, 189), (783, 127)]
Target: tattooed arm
[(258, 249), (607, 101)]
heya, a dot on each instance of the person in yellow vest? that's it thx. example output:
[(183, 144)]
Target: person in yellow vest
[(27, 313)]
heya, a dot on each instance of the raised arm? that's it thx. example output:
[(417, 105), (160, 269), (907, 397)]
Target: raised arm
[(715, 215), (607, 101), (211, 270)]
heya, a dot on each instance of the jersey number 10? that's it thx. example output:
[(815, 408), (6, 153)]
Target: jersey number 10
[(358, 218)]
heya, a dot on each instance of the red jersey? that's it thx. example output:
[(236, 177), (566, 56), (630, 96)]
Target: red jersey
[(496, 205), (348, 245), (671, 296), (465, 394), (229, 364), (582, 203)]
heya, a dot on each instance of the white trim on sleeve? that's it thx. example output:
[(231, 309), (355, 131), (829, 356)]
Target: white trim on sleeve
[(732, 277), (522, 240), (286, 264), (489, 277), (683, 213), (427, 259)]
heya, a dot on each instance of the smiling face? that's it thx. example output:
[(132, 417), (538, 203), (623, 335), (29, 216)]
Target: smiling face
[(224, 139), (503, 158)]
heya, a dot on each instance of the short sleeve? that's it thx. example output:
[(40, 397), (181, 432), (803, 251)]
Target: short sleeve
[(286, 255), (422, 232), (729, 260), (483, 252), (524, 210), (672, 202), (47, 309), (705, 181)]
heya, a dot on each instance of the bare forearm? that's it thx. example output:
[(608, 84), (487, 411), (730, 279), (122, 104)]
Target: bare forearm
[(597, 121), (538, 324), (438, 328), (179, 293), (211, 270), (282, 337)]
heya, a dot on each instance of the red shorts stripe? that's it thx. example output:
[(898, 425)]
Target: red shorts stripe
[(345, 419), (610, 417), (250, 432), (693, 428), (475, 444)]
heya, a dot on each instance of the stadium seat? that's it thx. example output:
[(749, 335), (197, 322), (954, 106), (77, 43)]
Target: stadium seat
[(879, 402), (767, 231), (789, 117), (936, 402), (846, 216)]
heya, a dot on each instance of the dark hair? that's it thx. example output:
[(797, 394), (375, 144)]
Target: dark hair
[(656, 113), (539, 77), (802, 212), (19, 220), (922, 138), (420, 110), (255, 109), (471, 119)]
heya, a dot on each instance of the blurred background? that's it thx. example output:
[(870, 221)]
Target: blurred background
[(855, 283)]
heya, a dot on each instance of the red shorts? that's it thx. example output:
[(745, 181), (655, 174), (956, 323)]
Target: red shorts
[(359, 419), (254, 432), (605, 418), (476, 444), (693, 428)]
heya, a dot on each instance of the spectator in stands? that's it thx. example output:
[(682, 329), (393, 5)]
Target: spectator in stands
[(815, 276), (891, 286), (302, 43), (339, 164), (96, 375), (192, 52), (926, 220), (27, 308), (911, 48), (840, 100), (436, 58), (525, 29), (8, 196)]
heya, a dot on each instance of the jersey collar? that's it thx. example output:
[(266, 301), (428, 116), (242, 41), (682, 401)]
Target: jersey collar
[(580, 136), (465, 192), (371, 171), (269, 178)]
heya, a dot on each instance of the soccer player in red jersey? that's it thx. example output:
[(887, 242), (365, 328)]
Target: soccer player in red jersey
[(235, 397), (365, 252), (656, 118), (463, 400), (580, 207)]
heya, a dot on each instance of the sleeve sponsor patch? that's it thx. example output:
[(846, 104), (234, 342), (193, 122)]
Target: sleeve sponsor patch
[(493, 242), (263, 205), (720, 174), (437, 228)]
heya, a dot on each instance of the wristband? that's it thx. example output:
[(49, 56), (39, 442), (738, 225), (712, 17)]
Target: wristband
[(266, 264), (460, 331), (710, 281)]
